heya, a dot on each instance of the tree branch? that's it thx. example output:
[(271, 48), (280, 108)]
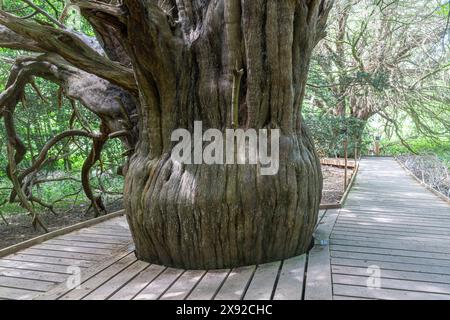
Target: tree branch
[(116, 14), (72, 48), (44, 13), (18, 189)]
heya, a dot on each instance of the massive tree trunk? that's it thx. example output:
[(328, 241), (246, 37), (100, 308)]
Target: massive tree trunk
[(214, 216), (183, 54)]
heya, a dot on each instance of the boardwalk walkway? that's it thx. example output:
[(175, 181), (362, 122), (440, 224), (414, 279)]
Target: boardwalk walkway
[(391, 241), (32, 271), (393, 227)]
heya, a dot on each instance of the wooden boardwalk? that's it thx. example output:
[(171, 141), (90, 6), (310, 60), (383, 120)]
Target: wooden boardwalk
[(391, 241), (102, 258), (392, 238), (32, 271)]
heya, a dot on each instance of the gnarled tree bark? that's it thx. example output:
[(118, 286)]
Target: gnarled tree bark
[(177, 57), (203, 216)]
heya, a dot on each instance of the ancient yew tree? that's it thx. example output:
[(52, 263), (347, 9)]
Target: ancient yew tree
[(155, 66)]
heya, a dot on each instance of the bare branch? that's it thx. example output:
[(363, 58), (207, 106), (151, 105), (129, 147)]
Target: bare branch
[(18, 189), (97, 7), (44, 13), (12, 40)]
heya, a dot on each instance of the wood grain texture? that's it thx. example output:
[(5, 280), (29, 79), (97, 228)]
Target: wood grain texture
[(393, 233)]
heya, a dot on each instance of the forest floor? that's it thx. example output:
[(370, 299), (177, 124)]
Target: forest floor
[(333, 184), (19, 226)]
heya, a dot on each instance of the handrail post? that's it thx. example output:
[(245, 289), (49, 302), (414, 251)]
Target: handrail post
[(346, 162)]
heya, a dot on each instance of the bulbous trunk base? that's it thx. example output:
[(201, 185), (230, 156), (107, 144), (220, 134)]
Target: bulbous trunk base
[(223, 216)]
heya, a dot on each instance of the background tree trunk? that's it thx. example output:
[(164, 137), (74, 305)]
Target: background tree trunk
[(203, 216)]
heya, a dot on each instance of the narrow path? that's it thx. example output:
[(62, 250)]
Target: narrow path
[(392, 238)]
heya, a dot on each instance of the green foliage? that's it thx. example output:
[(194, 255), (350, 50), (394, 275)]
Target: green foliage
[(73, 19), (441, 148), (330, 132), (444, 9), (38, 120)]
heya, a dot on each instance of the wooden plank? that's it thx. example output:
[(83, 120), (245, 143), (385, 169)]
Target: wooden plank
[(26, 284), (374, 228), (124, 233), (318, 284), (419, 212), (90, 239), (390, 258), (367, 203), (89, 285), (136, 285), (62, 254), (339, 162), (324, 228), (386, 294), (397, 205), (263, 283), (391, 265), (33, 266), (17, 294), (397, 212), (99, 235), (321, 215), (391, 217), (184, 285), (389, 245), (160, 285), (376, 232), (83, 234), (108, 288), (53, 234), (327, 206), (102, 230), (421, 245), (393, 237), (48, 260), (422, 198), (210, 284), (350, 185), (33, 275), (93, 251), (335, 297), (236, 284), (393, 274), (416, 193), (397, 222), (394, 228), (396, 252), (110, 246), (56, 292), (397, 284), (405, 210), (117, 223), (290, 282), (122, 226)]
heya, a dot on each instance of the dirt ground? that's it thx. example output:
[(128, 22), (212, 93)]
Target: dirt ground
[(19, 226), (20, 229), (333, 184)]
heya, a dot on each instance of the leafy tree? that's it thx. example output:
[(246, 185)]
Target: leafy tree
[(388, 59)]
